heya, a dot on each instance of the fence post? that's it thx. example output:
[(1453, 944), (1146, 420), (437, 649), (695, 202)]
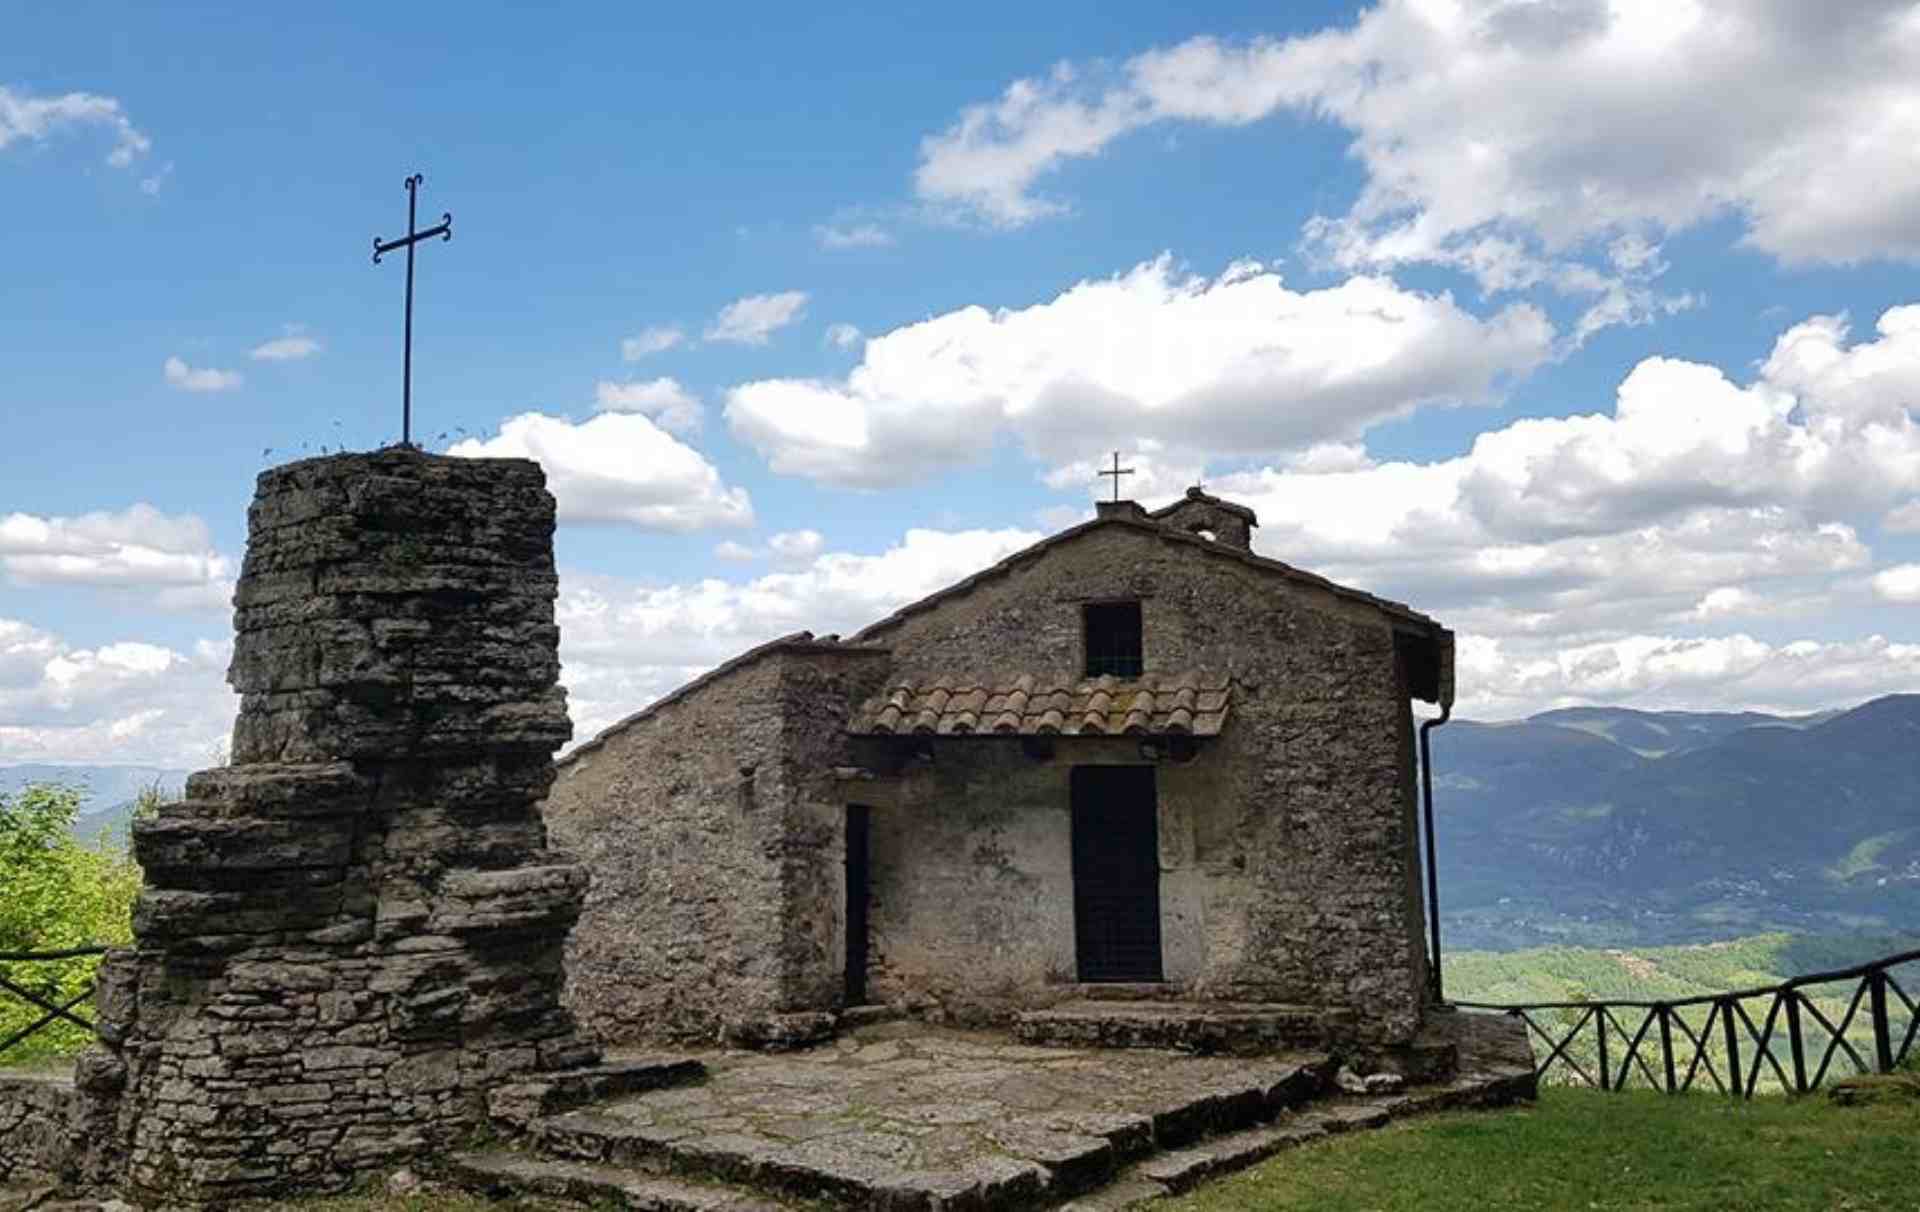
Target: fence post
[(1733, 1045), (1794, 1041), (1600, 1025), (1666, 1043), (1882, 1033)]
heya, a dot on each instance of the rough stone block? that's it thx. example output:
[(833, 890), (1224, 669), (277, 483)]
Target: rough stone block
[(509, 900), (230, 844), (273, 790)]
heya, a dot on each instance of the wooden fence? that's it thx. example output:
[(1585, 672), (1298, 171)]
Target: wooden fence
[(1672, 1043), (48, 998)]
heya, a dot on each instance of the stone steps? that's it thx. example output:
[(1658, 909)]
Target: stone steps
[(939, 1122), (517, 1105), (1046, 1160), (499, 1174), (1180, 1170), (632, 1169)]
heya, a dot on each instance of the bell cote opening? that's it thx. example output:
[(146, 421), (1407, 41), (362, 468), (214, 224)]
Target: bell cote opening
[(1113, 639)]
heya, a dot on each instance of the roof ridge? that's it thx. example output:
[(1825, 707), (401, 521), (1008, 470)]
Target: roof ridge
[(793, 641), (1264, 563)]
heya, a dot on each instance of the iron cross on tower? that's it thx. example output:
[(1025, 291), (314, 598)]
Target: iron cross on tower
[(1116, 473), (443, 229)]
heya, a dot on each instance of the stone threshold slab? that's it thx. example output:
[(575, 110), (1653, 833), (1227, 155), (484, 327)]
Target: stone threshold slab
[(1207, 1028)]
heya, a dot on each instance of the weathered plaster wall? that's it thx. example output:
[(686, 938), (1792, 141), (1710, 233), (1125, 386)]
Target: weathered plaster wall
[(714, 828), (1286, 846), (352, 932)]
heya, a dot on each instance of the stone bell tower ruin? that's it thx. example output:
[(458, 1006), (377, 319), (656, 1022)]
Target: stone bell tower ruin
[(355, 930)]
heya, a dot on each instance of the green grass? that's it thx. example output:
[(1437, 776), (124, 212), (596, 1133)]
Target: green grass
[(1584, 1150)]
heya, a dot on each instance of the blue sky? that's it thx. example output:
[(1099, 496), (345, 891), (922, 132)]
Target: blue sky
[(1577, 325)]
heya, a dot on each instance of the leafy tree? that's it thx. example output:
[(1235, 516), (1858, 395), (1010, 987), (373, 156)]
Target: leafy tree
[(55, 894)]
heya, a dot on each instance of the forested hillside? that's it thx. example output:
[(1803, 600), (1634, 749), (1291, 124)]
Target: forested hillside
[(1614, 827)]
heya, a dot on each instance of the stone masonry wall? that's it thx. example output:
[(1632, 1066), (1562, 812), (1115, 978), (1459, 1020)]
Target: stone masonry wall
[(34, 1117), (713, 827), (822, 688), (355, 929), (678, 819), (1287, 844)]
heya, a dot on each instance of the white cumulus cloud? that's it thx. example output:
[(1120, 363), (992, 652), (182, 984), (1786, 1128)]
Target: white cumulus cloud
[(128, 702), (649, 341), (750, 321), (1237, 362), (292, 347), (24, 116), (1505, 678), (796, 546), (1497, 135), (189, 378), (624, 644), (672, 407), (1899, 584), (619, 468), (137, 547)]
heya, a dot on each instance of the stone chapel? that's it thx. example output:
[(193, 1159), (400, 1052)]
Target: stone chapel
[(1134, 761)]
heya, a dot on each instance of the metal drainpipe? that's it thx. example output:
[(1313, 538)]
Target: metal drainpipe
[(1433, 863)]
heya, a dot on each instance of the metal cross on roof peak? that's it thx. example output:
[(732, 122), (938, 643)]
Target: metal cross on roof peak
[(443, 229), (1116, 473)]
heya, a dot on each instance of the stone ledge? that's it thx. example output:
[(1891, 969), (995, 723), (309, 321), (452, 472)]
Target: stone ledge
[(1231, 1028), (782, 1032), (518, 1104), (499, 1175), (280, 790)]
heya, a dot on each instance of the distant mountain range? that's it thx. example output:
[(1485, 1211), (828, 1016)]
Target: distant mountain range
[(109, 791), (1612, 826), (1598, 826)]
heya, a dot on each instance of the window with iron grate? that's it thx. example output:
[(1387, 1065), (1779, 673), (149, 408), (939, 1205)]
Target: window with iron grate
[(1113, 639)]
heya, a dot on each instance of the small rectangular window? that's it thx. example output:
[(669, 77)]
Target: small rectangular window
[(1113, 639)]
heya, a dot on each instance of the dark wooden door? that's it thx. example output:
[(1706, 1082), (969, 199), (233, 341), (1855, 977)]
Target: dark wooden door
[(859, 888), (1116, 873)]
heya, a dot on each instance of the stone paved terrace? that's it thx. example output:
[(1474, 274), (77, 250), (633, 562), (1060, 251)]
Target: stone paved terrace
[(905, 1116)]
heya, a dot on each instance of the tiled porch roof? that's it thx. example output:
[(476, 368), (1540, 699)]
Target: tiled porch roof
[(1175, 704)]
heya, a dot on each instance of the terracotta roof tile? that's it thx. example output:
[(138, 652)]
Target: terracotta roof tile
[(1190, 702)]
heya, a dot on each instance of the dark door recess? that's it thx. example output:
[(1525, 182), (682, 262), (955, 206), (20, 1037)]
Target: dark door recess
[(858, 890), (1116, 873)]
